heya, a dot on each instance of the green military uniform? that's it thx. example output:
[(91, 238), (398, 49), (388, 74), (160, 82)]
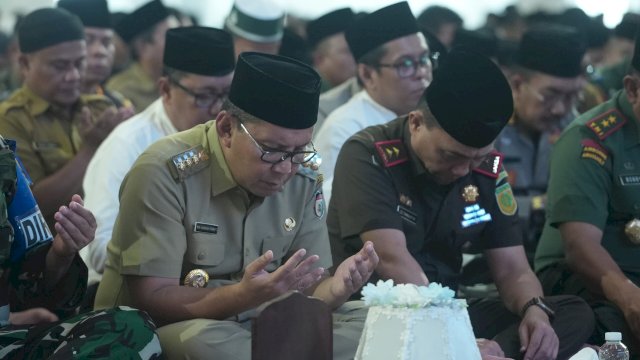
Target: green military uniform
[(134, 84), (595, 173), (46, 138), (181, 210)]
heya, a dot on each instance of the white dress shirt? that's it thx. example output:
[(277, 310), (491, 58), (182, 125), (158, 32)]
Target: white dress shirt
[(358, 113), (107, 169)]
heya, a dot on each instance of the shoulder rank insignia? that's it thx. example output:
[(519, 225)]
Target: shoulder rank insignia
[(310, 169), (188, 162), (491, 165), (607, 123), (392, 152), (594, 151)]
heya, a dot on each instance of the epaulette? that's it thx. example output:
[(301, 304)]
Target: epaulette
[(310, 169), (188, 162), (392, 152), (606, 124), (491, 165)]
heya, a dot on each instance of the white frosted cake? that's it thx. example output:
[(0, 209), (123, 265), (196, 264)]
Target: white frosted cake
[(409, 322)]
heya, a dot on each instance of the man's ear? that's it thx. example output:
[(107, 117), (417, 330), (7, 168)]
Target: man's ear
[(416, 120), (24, 62), (365, 73), (225, 125), (164, 87), (630, 84)]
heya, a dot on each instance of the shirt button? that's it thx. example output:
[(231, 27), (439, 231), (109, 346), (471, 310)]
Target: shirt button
[(201, 256)]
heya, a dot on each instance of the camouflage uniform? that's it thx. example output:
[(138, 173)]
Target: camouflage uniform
[(120, 332)]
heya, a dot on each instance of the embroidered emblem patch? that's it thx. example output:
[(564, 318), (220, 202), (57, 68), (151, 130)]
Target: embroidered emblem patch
[(592, 150), (319, 206), (392, 152), (470, 193), (607, 123), (506, 201)]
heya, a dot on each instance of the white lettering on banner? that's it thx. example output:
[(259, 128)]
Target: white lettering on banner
[(496, 162), (35, 229)]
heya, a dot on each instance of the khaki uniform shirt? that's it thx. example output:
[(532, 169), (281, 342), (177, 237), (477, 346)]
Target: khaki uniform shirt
[(135, 85), (46, 138), (175, 218)]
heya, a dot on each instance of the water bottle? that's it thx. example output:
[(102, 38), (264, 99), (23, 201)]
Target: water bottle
[(613, 349)]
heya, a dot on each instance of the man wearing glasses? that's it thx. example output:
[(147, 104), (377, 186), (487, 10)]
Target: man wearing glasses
[(546, 81), (198, 67), (218, 219), (424, 185), (394, 68)]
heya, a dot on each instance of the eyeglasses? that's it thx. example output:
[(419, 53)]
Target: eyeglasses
[(549, 101), (407, 67), (203, 100), (276, 157)]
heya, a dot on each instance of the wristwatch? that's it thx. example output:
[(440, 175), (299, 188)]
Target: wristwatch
[(539, 302)]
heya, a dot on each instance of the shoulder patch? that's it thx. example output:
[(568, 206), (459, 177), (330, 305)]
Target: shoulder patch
[(188, 162), (392, 152), (606, 124), (594, 151), (505, 199), (491, 166)]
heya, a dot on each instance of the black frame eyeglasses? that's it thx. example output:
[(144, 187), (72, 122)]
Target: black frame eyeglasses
[(276, 157), (408, 67), (204, 100)]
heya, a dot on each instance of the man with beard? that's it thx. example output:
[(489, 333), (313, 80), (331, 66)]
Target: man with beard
[(546, 79)]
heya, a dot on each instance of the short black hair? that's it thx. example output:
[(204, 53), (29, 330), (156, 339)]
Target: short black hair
[(372, 58)]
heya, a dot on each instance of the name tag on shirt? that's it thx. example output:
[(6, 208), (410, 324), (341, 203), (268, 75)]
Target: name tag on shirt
[(200, 227), (407, 214), (628, 180)]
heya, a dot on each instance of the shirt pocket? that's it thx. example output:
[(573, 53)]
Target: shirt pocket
[(205, 250), (281, 247), (53, 156)]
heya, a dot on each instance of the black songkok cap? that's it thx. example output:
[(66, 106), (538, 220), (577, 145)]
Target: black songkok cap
[(48, 27), (627, 28), (199, 50), (483, 42), (635, 61), (552, 49), (276, 89), (141, 19), (93, 13), (470, 98), (329, 24), (380, 27)]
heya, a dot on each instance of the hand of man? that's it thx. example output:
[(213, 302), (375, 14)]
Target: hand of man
[(538, 339), (32, 317), (76, 228), (631, 311), (94, 132), (354, 272), (489, 349), (297, 273)]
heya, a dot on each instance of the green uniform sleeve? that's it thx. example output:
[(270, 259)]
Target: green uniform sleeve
[(579, 186), (13, 125)]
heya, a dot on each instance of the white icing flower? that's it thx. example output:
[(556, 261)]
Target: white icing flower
[(384, 293)]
